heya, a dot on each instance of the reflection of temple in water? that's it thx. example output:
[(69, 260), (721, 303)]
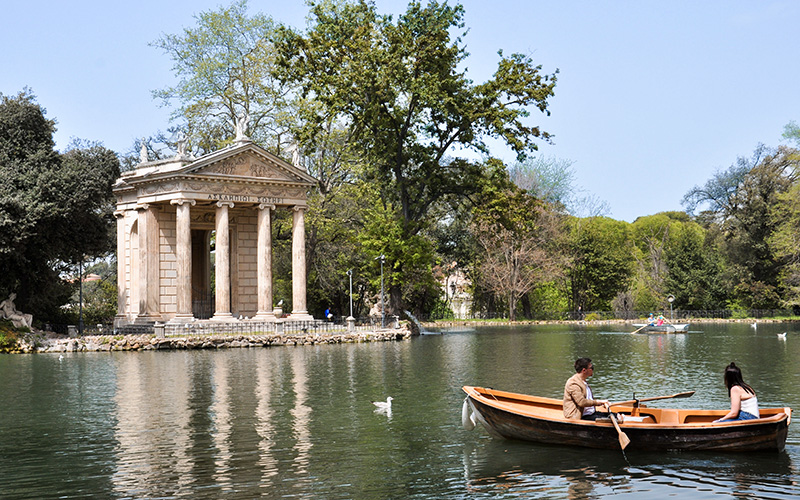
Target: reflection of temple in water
[(211, 420)]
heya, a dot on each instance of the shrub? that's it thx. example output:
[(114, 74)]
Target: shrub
[(8, 335)]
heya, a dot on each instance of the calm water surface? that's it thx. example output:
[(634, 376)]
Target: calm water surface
[(297, 422)]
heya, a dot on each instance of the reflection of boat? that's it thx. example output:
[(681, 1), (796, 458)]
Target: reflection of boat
[(665, 328), (533, 470), (531, 418)]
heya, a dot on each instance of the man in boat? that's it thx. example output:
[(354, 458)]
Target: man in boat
[(578, 402), (650, 320)]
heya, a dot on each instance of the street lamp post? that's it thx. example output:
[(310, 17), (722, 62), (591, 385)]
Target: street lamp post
[(350, 273), (80, 297), (351, 321)]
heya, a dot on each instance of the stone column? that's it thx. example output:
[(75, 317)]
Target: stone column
[(222, 255), (149, 289), (264, 257), (122, 260), (183, 236), (299, 311)]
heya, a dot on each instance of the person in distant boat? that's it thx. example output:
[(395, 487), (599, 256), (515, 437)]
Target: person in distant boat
[(651, 320), (661, 320), (578, 402), (744, 403)]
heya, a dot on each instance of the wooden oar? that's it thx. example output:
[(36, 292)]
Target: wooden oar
[(637, 330), (624, 440), (671, 396)]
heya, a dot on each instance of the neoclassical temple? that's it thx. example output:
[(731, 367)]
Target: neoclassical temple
[(167, 212)]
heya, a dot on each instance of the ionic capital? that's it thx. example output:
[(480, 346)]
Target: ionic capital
[(266, 206), (228, 204), (181, 201)]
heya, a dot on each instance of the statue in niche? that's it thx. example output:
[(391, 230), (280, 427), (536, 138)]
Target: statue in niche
[(17, 318), (143, 152), (240, 124)]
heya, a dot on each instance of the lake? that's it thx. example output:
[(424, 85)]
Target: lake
[(297, 422)]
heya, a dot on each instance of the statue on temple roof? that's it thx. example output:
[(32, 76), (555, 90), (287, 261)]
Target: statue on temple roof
[(143, 152), (240, 124)]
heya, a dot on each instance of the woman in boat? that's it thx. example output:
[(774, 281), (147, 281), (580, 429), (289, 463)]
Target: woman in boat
[(578, 402), (744, 403)]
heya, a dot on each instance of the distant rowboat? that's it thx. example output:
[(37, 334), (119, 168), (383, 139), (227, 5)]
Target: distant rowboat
[(531, 418), (665, 328)]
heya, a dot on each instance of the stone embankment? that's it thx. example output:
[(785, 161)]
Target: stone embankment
[(39, 342)]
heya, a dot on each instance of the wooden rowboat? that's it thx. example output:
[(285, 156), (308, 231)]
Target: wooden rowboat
[(665, 328), (530, 418)]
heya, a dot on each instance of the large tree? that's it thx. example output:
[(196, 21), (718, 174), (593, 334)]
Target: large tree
[(695, 267), (55, 209), (752, 267), (785, 239), (518, 235), (602, 262), (410, 109), (224, 67)]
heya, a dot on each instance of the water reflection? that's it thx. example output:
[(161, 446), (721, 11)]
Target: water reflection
[(542, 471), (220, 411), (299, 423), (301, 414), (152, 425), (264, 412)]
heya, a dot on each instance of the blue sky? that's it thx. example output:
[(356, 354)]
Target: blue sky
[(652, 97)]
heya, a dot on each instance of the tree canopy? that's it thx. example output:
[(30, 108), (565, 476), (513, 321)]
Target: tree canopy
[(224, 67), (55, 209), (408, 106)]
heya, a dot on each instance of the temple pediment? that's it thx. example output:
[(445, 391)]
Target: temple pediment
[(250, 166), (244, 173), (242, 162)]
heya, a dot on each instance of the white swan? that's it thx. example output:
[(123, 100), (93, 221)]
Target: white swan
[(782, 336), (384, 405)]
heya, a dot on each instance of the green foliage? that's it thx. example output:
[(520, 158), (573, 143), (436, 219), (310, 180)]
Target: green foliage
[(408, 258), (9, 335), (54, 208), (674, 258), (602, 261), (695, 269), (519, 242), (99, 296), (751, 226), (546, 299), (441, 310), (784, 242), (408, 107)]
